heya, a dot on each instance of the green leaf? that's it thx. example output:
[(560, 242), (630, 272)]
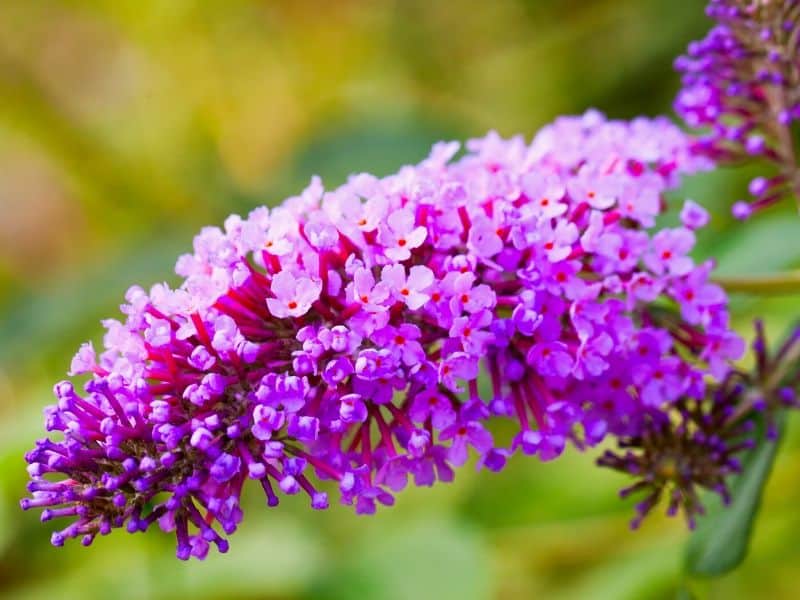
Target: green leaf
[(769, 244), (722, 537)]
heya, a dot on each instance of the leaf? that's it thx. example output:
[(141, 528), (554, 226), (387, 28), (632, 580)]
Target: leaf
[(769, 244), (722, 537)]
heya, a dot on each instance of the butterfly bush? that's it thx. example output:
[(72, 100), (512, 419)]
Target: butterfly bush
[(334, 343), (741, 84)]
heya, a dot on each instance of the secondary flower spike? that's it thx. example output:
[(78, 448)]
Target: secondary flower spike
[(697, 444), (741, 84), (334, 342)]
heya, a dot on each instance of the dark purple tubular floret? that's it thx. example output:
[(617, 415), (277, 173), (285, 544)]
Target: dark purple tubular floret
[(678, 453), (333, 343), (697, 444)]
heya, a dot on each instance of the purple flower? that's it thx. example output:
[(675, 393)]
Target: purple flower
[(303, 428), (731, 79), (590, 360), (696, 296), (465, 297), (556, 242), (494, 460), (352, 409), (224, 467), (463, 434), (720, 350), (526, 320), (547, 446), (288, 391), (661, 382), (403, 342), (694, 216), (458, 365), (472, 332), (434, 405), (339, 337), (201, 359), (266, 421), (551, 359)]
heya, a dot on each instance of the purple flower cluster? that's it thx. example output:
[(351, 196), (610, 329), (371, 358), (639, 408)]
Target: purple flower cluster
[(335, 341), (741, 83)]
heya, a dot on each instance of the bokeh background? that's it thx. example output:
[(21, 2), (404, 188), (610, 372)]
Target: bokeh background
[(126, 125)]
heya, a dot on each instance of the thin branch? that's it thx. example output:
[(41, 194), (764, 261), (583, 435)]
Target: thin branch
[(772, 284)]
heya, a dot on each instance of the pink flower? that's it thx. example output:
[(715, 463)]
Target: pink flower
[(696, 295), (158, 332), (669, 250), (84, 360), (464, 297), (278, 238), (556, 242), (293, 295), (472, 332), (641, 201), (399, 236), (483, 240), (340, 336), (410, 290), (545, 193), (364, 290), (599, 192), (402, 340)]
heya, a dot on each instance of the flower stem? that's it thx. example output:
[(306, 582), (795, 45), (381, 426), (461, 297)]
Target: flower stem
[(773, 284)]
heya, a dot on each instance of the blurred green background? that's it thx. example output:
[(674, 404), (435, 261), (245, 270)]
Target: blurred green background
[(126, 125)]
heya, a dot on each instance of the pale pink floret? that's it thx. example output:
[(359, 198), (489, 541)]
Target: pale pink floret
[(669, 252), (366, 292), (84, 361), (483, 239), (597, 191), (399, 236), (410, 290), (545, 193), (293, 295)]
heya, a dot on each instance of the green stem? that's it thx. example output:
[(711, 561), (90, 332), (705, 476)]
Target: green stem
[(773, 284)]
